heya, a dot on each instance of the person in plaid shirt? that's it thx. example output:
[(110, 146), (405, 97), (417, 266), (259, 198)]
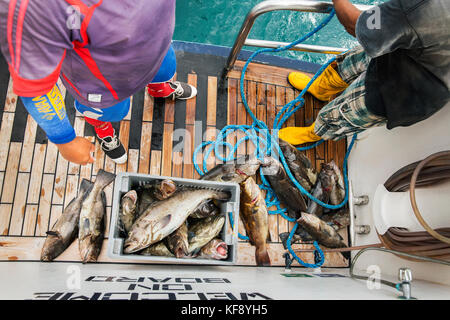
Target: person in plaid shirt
[(398, 76)]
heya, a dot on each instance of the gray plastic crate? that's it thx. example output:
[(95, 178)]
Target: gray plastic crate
[(127, 181)]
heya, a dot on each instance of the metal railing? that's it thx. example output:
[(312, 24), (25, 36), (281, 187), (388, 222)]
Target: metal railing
[(278, 5)]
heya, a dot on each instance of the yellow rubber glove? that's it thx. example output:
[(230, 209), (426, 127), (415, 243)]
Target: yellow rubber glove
[(328, 84), (298, 135)]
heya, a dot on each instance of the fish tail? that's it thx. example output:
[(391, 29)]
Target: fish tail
[(104, 178), (262, 257), (85, 185)]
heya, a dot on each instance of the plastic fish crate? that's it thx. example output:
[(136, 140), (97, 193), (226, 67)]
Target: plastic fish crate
[(127, 181)]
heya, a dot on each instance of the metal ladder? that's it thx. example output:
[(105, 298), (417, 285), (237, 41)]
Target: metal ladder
[(278, 5)]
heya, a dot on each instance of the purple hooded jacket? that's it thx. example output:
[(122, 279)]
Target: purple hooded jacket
[(103, 50)]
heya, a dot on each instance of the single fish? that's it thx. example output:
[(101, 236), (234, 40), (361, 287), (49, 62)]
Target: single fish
[(164, 217), (203, 231), (338, 220), (321, 231), (205, 209), (338, 193), (148, 194), (318, 192), (177, 241), (284, 189), (157, 249), (215, 249), (92, 216), (255, 217), (299, 165), (332, 183), (128, 212), (236, 171), (296, 237), (65, 230)]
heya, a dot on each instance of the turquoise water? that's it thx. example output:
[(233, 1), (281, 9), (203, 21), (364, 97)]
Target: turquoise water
[(218, 22)]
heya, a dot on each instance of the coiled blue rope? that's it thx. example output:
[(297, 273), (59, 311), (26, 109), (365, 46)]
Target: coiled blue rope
[(266, 143)]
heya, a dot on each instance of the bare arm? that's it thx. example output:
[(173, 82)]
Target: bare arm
[(347, 14)]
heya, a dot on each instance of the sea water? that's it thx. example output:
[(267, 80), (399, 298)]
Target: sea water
[(219, 21)]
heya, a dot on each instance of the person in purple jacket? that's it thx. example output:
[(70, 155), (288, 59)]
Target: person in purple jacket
[(103, 51)]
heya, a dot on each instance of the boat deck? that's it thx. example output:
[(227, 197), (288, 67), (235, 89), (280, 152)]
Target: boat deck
[(36, 183)]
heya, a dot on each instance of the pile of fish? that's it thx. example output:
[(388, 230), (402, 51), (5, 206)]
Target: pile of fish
[(84, 217), (315, 222), (163, 219)]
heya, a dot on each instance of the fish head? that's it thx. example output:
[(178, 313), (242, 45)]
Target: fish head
[(247, 165), (165, 189), (133, 244), (327, 177), (53, 246), (271, 166), (215, 249), (146, 232), (250, 191), (137, 239), (129, 200)]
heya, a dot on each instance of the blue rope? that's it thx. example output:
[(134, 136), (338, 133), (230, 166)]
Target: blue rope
[(266, 143)]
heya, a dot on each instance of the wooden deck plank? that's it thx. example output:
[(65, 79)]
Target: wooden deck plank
[(5, 137), (197, 138), (169, 113), (78, 126), (86, 170), (11, 98), (5, 216), (99, 157), (166, 165), (55, 214), (124, 137), (290, 97), (282, 98), (191, 103), (28, 145), (45, 199), (30, 220), (2, 176), (210, 135), (262, 73), (241, 119), (147, 114), (9, 184), (18, 212), (50, 158), (71, 189), (177, 168), (212, 101), (232, 110), (133, 160), (189, 140), (34, 188), (271, 102), (155, 164), (146, 143), (60, 180), (110, 165)]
